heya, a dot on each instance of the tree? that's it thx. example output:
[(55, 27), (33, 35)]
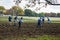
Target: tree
[(53, 14), (35, 14), (32, 3), (17, 10), (58, 14), (28, 12), (2, 8), (41, 14)]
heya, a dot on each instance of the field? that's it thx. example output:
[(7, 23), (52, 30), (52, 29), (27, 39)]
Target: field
[(29, 30), (32, 19)]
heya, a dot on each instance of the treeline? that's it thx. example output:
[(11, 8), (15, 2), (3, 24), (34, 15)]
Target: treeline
[(14, 10), (29, 12), (52, 14)]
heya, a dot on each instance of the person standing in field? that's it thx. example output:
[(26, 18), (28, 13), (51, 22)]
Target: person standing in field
[(15, 20), (39, 22), (20, 22), (42, 19), (49, 21), (10, 20)]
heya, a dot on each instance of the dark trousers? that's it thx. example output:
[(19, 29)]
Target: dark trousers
[(39, 25), (19, 25)]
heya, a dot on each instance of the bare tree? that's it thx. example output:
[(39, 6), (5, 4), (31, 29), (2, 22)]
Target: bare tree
[(32, 3)]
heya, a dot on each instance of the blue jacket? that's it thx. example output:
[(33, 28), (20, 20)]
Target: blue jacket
[(10, 18), (39, 21)]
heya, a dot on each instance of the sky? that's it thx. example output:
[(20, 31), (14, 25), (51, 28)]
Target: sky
[(50, 8)]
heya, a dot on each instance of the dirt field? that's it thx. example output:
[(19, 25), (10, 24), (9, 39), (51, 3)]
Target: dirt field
[(30, 29)]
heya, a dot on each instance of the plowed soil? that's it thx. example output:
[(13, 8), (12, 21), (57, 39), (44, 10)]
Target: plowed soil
[(29, 29)]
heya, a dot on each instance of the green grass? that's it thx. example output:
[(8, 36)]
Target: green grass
[(31, 19), (43, 37)]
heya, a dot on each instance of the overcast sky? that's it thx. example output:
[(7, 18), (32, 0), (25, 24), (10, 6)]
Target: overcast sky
[(50, 8)]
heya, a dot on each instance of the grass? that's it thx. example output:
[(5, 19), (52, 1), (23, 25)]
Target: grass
[(31, 19), (43, 37)]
